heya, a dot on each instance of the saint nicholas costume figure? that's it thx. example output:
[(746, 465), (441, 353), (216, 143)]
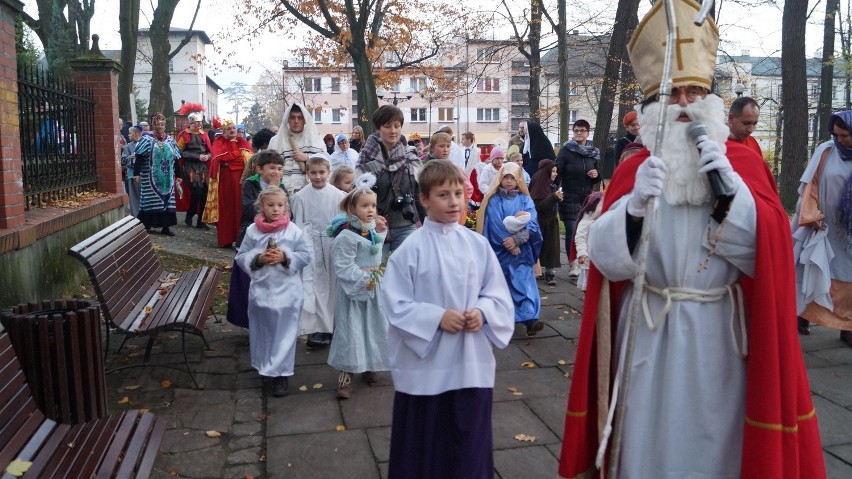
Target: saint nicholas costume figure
[(717, 384)]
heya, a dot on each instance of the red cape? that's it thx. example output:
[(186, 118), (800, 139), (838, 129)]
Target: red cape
[(781, 435), (230, 152)]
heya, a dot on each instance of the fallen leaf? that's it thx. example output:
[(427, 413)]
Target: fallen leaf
[(543, 298), (517, 393), (303, 388), (166, 384), (213, 433), (134, 355), (567, 375), (317, 386), (528, 364), (134, 404), (559, 306), (561, 361), (18, 467), (143, 410), (148, 309), (341, 428), (124, 400), (249, 476), (261, 417), (562, 318), (185, 433), (131, 387), (172, 336), (524, 438), (173, 473), (70, 445), (512, 389)]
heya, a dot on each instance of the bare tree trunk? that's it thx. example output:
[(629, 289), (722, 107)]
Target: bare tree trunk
[(562, 46), (617, 44), (367, 100), (826, 89), (128, 27), (535, 59), (794, 98), (629, 92), (161, 89)]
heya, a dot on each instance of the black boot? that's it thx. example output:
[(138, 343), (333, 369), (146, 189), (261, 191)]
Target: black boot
[(804, 326), (200, 225), (188, 219), (167, 232), (280, 386)]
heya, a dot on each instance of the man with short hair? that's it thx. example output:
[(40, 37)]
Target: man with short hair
[(519, 138), (717, 384), (742, 119)]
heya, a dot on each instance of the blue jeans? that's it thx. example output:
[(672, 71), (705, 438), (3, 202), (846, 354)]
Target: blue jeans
[(569, 234), (395, 237)]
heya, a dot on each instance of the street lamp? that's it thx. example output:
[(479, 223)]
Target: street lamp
[(381, 93), (739, 88)]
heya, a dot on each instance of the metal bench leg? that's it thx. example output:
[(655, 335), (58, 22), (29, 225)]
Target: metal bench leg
[(186, 359), (148, 347), (214, 315), (126, 337)]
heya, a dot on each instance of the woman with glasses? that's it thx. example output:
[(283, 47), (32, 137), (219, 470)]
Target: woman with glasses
[(577, 167)]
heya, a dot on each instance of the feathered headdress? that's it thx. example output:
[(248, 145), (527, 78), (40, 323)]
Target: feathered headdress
[(189, 108), (365, 182), (216, 122)]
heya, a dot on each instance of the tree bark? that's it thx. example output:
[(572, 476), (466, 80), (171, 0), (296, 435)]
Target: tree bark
[(794, 98), (128, 27), (826, 90), (534, 58), (562, 47), (62, 38), (161, 90), (621, 32)]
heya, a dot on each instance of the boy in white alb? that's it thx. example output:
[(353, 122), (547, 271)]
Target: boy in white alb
[(447, 303), (313, 208)]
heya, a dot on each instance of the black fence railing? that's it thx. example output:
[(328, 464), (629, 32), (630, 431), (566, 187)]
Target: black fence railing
[(57, 123)]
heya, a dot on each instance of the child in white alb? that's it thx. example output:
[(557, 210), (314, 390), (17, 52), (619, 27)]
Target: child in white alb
[(272, 253), (360, 342), (588, 213)]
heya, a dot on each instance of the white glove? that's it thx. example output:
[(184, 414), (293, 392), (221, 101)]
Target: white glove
[(713, 159), (649, 182)]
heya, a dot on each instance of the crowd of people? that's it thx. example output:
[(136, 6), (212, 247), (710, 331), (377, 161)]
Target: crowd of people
[(360, 243)]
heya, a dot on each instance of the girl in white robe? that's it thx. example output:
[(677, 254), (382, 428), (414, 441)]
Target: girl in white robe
[(360, 342), (272, 253)]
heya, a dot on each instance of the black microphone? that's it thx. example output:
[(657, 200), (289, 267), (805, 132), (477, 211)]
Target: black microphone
[(697, 132)]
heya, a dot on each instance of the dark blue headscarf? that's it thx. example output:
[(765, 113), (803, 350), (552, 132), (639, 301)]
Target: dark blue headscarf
[(844, 206)]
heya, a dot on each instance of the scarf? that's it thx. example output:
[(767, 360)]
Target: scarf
[(376, 159), (508, 193), (266, 227), (844, 205), (343, 221), (540, 181), (588, 150)]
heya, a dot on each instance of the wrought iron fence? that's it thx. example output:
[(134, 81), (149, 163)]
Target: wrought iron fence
[(57, 126)]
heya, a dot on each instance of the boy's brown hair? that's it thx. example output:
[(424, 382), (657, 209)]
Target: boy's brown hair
[(317, 161), (469, 135), (439, 137), (438, 172)]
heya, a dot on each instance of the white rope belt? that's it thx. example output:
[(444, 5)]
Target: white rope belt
[(734, 291)]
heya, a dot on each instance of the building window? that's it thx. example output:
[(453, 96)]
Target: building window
[(522, 111), (520, 96), (488, 85), (171, 66), (335, 84), (815, 90), (318, 115), (313, 84), (417, 83), (487, 54), (335, 115), (418, 115), (519, 64), (521, 80), (572, 88), (446, 114), (572, 116), (487, 114)]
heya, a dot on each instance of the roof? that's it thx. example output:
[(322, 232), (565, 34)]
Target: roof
[(181, 32), (771, 66), (586, 56), (212, 83)]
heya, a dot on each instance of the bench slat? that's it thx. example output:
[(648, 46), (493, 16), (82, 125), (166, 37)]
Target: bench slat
[(137, 446), (146, 464)]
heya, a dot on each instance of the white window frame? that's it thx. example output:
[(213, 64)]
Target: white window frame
[(487, 115), (488, 85), (318, 115), (446, 114), (417, 84), (335, 115), (313, 84), (418, 115), (335, 84)]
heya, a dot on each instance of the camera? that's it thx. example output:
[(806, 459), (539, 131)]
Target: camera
[(405, 203)]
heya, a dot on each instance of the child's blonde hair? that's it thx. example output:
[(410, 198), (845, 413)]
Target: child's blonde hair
[(350, 201), (271, 191), (339, 174), (439, 137), (516, 154), (318, 161)]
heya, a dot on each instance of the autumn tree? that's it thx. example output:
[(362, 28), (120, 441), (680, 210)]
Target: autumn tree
[(63, 27), (128, 28), (527, 36), (161, 53), (379, 39), (794, 97)]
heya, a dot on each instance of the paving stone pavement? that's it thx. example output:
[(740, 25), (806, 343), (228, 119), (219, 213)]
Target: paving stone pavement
[(230, 429)]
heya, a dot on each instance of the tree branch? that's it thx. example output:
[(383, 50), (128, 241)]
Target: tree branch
[(307, 21), (189, 33), (327, 16), (377, 23)]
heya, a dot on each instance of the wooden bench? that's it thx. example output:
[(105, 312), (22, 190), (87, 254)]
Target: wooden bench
[(137, 296), (122, 445)]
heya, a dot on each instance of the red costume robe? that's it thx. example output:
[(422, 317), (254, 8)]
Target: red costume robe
[(223, 199), (749, 143), (781, 435)]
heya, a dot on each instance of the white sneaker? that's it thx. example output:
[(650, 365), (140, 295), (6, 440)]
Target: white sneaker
[(575, 270)]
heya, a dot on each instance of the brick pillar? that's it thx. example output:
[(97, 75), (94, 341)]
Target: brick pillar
[(100, 74), (11, 170)]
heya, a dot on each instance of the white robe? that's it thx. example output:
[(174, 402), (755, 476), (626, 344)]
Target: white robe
[(313, 210), (485, 176), (275, 299), (438, 267), (686, 404), (457, 155)]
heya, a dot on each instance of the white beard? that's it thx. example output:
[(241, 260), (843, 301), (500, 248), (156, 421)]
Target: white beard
[(683, 183)]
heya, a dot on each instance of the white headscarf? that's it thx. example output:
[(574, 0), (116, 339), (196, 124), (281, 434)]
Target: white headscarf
[(308, 141)]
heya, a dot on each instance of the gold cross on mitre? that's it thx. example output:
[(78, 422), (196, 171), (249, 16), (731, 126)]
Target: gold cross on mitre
[(695, 48)]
